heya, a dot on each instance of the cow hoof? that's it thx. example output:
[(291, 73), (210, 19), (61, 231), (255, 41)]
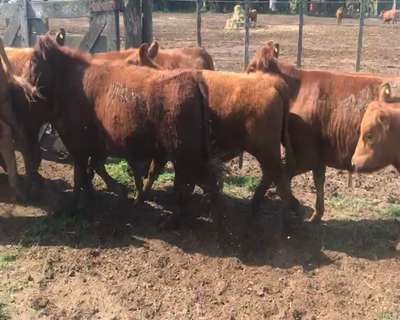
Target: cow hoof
[(121, 191), (138, 202), (170, 222), (148, 196)]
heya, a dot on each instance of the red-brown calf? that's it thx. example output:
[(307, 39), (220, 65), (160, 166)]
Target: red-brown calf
[(129, 112)]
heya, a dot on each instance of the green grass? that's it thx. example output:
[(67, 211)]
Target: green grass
[(4, 315), (120, 171), (237, 185), (7, 257), (354, 206)]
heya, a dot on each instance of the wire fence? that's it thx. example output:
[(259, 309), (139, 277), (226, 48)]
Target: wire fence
[(347, 50)]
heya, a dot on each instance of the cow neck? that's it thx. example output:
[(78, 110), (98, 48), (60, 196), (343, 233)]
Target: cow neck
[(290, 74), (72, 65)]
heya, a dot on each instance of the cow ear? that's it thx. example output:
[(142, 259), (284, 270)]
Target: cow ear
[(144, 51), (384, 120), (153, 51), (385, 93), (42, 47), (47, 34), (60, 36), (276, 50)]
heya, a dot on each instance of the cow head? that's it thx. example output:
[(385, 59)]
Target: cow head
[(59, 37), (382, 13), (40, 71), (377, 137), (141, 58), (262, 58)]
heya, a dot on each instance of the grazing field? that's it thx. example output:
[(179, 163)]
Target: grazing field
[(111, 262)]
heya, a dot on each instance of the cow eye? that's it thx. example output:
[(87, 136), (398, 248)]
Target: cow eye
[(368, 136)]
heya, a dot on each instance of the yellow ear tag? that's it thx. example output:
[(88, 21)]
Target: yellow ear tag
[(61, 35), (387, 91)]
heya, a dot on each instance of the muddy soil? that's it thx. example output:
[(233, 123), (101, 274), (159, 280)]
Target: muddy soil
[(111, 261)]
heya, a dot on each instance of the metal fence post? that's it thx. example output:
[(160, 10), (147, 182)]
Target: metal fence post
[(246, 51), (360, 35), (198, 31), (300, 38)]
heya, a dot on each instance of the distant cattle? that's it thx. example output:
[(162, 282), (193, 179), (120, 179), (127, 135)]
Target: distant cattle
[(379, 136), (131, 112), (339, 15), (190, 57), (326, 110), (253, 17), (389, 15), (242, 121)]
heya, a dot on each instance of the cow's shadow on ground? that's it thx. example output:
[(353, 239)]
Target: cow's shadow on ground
[(111, 222)]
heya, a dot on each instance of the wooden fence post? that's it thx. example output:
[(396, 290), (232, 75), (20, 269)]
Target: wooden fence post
[(198, 30), (300, 39), (133, 23), (23, 17), (360, 35), (147, 22)]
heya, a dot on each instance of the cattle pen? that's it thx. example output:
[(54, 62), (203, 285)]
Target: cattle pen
[(111, 262)]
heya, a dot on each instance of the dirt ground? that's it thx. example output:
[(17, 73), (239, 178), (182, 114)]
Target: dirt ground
[(111, 262)]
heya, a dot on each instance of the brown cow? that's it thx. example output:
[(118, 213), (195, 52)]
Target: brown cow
[(380, 131), (326, 110), (31, 113), (339, 16), (132, 112), (242, 121), (269, 49), (389, 15), (253, 17), (171, 59), (8, 121), (190, 57)]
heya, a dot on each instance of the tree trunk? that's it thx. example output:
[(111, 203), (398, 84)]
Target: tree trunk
[(133, 23)]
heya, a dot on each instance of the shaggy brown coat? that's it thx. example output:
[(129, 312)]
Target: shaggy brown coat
[(9, 123), (129, 112), (325, 115), (244, 121)]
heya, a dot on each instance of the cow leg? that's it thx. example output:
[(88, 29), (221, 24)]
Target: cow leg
[(30, 149), (155, 168), (294, 202), (138, 182), (319, 181), (3, 163), (7, 150), (81, 181), (184, 190), (112, 184), (267, 177)]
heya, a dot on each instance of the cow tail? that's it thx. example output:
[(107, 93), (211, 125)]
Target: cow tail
[(205, 113), (215, 168), (288, 157)]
